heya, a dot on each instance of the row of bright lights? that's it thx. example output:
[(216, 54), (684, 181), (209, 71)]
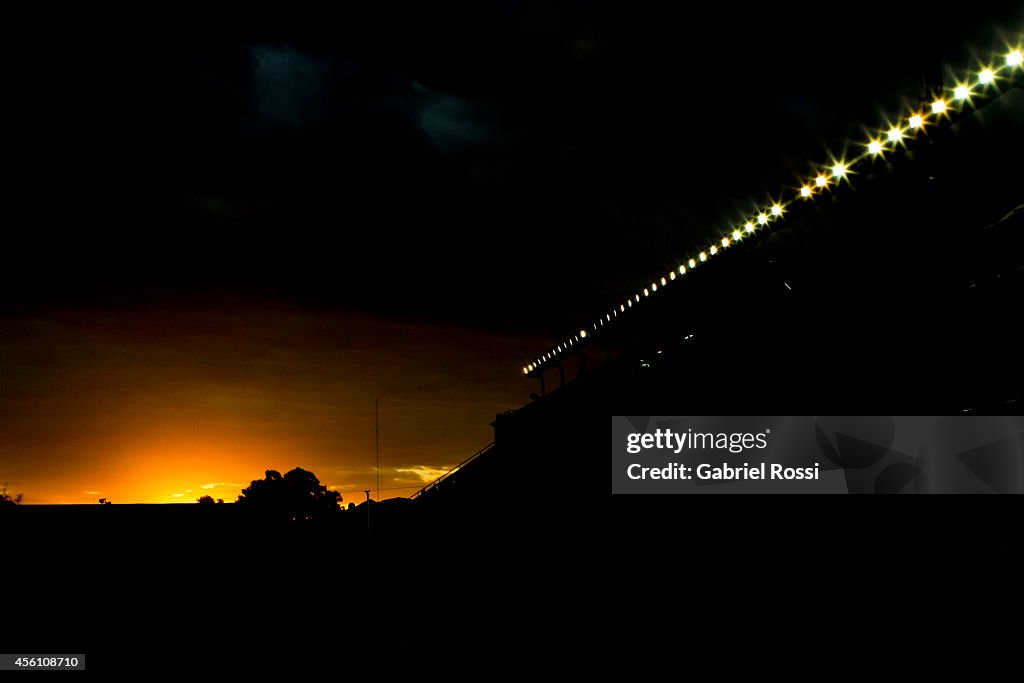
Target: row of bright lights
[(837, 171)]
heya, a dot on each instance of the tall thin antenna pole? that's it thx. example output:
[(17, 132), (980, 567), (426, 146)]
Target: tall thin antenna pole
[(376, 428)]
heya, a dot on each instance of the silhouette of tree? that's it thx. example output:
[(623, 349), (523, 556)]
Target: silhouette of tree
[(7, 499), (205, 500), (297, 495)]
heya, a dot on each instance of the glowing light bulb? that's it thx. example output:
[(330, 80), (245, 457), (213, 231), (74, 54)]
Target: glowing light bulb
[(526, 371), (703, 257), (762, 219), (693, 264), (938, 106), (821, 181), (622, 308), (714, 250), (748, 226), (654, 286), (736, 234), (672, 275), (630, 302), (776, 210), (725, 242), (583, 333), (986, 76), (1015, 58), (894, 135), (916, 121), (638, 298), (805, 191), (839, 170), (874, 147), (663, 282), (962, 92)]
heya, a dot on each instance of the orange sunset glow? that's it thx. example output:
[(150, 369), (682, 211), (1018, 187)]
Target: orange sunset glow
[(143, 406)]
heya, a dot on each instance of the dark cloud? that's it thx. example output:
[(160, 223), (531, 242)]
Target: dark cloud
[(495, 164), (451, 122), (287, 86)]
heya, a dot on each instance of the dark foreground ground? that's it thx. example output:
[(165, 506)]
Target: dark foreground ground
[(646, 581)]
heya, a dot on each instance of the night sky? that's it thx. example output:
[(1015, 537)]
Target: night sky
[(224, 238)]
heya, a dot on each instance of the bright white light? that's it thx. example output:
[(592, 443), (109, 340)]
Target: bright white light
[(526, 371), (663, 282), (748, 226), (630, 302), (736, 234), (622, 308), (762, 219), (693, 264), (821, 181), (805, 191), (916, 121), (638, 298), (703, 257), (938, 106), (672, 275), (654, 286), (839, 170), (1015, 58), (714, 250), (962, 92), (894, 135), (647, 292), (559, 348), (986, 76), (776, 210), (874, 147), (583, 333), (725, 242)]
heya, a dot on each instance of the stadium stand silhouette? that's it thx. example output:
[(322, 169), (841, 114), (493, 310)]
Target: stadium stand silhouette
[(898, 294)]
